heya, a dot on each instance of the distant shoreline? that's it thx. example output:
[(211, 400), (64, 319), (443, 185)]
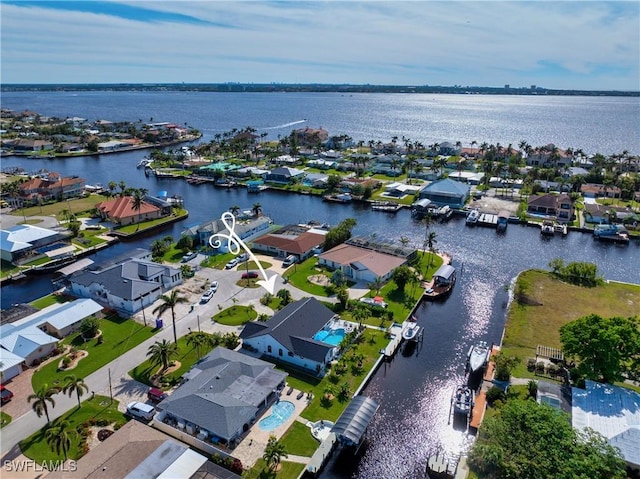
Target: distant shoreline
[(315, 88)]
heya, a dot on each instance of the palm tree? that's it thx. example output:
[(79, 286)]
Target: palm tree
[(427, 220), (41, 397), (59, 437), (123, 186), (376, 284), (257, 208), (138, 201), (162, 353), (75, 385), (431, 243), (274, 452), (235, 209), (199, 340), (112, 185), (170, 301)]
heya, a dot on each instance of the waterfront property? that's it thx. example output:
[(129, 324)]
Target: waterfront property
[(222, 397), (284, 174), (127, 286), (121, 210), (21, 241), (559, 206), (245, 229), (298, 240), (50, 187), (594, 190), (299, 334), (446, 192), (10, 364)]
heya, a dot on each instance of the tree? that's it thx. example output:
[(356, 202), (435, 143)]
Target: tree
[(200, 340), (343, 297), (169, 302), (285, 296), (76, 385), (161, 353), (339, 234), (59, 437), (376, 284), (185, 243), (274, 452), (138, 201), (89, 327), (431, 244), (235, 209), (40, 399), (607, 349), (527, 439), (256, 209), (159, 248), (402, 275)]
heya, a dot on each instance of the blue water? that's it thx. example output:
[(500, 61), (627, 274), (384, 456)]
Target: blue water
[(280, 412), (333, 337)]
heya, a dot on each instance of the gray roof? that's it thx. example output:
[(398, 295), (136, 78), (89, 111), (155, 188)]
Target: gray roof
[(445, 271), (447, 187), (224, 392), (294, 327), (126, 280), (353, 422)]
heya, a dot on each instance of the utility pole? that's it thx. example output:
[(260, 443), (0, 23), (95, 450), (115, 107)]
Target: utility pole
[(199, 323), (110, 391)]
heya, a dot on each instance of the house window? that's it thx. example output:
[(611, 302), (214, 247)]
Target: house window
[(280, 352), (269, 348)]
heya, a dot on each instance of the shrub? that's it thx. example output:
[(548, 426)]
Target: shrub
[(495, 394), (89, 327), (531, 364)]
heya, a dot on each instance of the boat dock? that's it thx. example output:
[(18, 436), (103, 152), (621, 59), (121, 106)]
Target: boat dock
[(480, 405), (487, 219), (396, 338)]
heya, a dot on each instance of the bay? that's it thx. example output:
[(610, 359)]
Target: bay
[(414, 389)]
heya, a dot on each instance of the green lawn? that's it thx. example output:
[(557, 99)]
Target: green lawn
[(298, 275), (89, 238), (318, 408), (99, 408), (4, 419), (76, 206), (7, 268), (48, 300), (120, 335), (187, 356), (145, 225), (553, 304), (252, 265), (299, 441), (288, 470), (405, 200), (235, 315), (173, 255), (217, 261)]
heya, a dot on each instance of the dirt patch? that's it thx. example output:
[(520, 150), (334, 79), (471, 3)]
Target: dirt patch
[(160, 373), (490, 204), (75, 359), (92, 438), (319, 279)]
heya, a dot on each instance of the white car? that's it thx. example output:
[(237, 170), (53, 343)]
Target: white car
[(214, 286), (373, 302), (141, 410), (189, 256), (208, 294), (231, 264)]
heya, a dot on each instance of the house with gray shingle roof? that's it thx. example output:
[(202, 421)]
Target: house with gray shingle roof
[(128, 286), (289, 336), (223, 395), (446, 192)]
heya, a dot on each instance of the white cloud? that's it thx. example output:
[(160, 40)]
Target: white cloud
[(555, 44)]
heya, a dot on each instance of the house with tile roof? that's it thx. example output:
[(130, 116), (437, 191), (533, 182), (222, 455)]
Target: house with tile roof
[(361, 264), (446, 192), (558, 206), (50, 187), (289, 336), (126, 287), (284, 174), (290, 240), (223, 395), (120, 210)]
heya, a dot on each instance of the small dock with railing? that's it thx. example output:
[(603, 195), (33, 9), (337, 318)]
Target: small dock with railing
[(395, 330)]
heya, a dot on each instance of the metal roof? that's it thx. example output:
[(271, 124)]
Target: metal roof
[(355, 419), (445, 271)]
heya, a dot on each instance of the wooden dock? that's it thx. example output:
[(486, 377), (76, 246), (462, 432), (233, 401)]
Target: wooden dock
[(487, 219), (396, 338), (479, 407)]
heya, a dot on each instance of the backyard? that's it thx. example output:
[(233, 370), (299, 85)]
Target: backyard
[(119, 335), (236, 315), (75, 206)]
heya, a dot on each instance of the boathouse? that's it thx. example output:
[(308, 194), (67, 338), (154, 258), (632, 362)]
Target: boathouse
[(445, 275), (351, 426)]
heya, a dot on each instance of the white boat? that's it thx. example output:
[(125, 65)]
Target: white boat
[(546, 228), (473, 216), (445, 213), (410, 331), (560, 228), (144, 162), (478, 356), (463, 401)]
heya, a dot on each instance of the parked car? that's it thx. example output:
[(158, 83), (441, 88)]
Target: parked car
[(243, 257), (231, 263), (208, 294), (214, 286), (156, 395), (189, 256), (141, 410), (250, 274), (5, 395), (374, 302), (289, 260)]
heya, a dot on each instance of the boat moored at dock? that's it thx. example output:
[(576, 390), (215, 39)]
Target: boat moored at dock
[(546, 228), (472, 217), (463, 401), (411, 331), (478, 357), (613, 233), (386, 206)]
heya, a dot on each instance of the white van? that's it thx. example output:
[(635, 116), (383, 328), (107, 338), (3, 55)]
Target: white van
[(141, 410), (289, 260)]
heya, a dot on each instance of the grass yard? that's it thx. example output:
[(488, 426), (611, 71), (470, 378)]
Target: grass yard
[(299, 441), (76, 206), (89, 238), (100, 408), (48, 300), (235, 315), (405, 200), (174, 255), (298, 276), (4, 419), (253, 265), (318, 408), (119, 335), (217, 261), (539, 323), (187, 356), (288, 470), (8, 269), (146, 225)]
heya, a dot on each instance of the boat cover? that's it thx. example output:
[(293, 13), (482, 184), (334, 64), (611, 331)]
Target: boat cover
[(445, 271), (353, 422)]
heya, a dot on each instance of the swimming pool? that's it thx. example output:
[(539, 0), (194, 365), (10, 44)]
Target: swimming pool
[(333, 336), (280, 412)]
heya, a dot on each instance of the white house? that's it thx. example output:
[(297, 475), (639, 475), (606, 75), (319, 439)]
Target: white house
[(361, 264), (10, 365)]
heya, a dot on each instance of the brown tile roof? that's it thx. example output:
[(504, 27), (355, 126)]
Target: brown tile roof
[(297, 245), (546, 201), (599, 189), (122, 207), (378, 263)]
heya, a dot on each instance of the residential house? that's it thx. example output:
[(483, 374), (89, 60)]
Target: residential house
[(52, 186), (112, 145), (121, 210), (218, 169), (20, 241), (295, 240), (322, 164), (361, 260), (11, 365), (400, 190), (290, 336), (127, 286), (449, 149), (31, 145), (30, 343), (593, 190), (223, 395), (614, 412), (551, 204), (310, 136), (446, 192), (549, 156), (284, 174), (316, 180), (245, 229)]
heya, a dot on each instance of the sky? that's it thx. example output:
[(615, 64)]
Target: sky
[(590, 45)]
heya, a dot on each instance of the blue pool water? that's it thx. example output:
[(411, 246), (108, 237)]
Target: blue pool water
[(280, 412), (333, 337)]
